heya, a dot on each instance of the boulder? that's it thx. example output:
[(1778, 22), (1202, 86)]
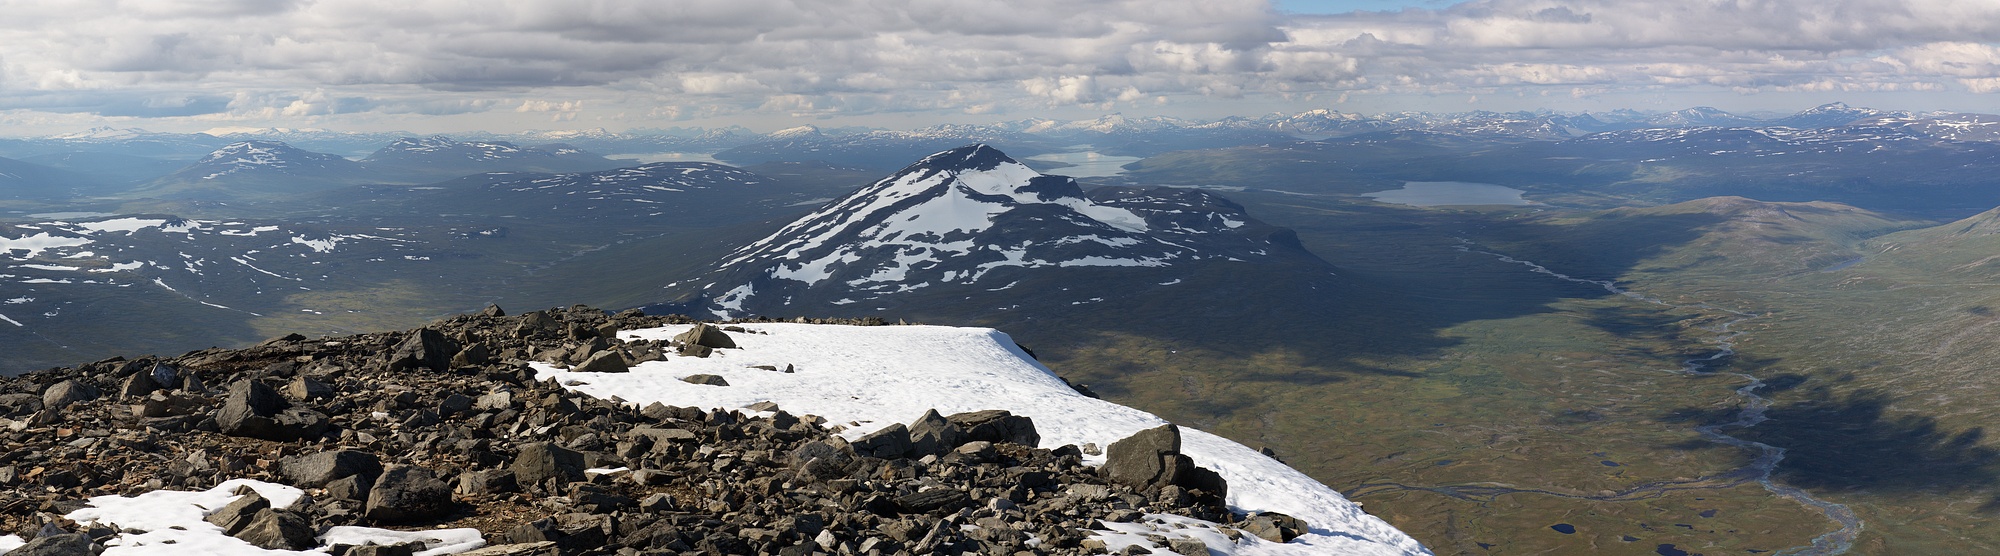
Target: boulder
[(710, 380), (66, 544), (427, 348), (891, 442), (238, 513), (932, 434), (540, 461), (139, 384), (934, 500), (61, 394), (316, 470), (997, 425), (607, 361), (705, 335), (256, 411), (1141, 460), (274, 529), (304, 388), (405, 494), (1152, 459)]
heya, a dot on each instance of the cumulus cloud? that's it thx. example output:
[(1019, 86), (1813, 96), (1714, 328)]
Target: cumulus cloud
[(704, 58)]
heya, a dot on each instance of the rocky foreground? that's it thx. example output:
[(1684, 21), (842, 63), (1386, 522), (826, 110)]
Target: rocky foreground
[(445, 427)]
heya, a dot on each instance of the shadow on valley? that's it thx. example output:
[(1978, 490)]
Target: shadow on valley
[(1854, 441)]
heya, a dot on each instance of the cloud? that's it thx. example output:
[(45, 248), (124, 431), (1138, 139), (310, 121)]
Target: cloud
[(708, 58)]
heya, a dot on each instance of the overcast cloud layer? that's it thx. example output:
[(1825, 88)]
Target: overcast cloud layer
[(567, 63)]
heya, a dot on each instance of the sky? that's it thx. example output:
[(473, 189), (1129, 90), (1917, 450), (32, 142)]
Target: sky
[(456, 65)]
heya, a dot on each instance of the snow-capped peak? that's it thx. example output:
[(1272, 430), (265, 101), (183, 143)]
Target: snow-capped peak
[(973, 218), (800, 132)]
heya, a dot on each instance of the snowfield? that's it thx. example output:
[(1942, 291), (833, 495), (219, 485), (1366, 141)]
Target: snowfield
[(867, 377), (169, 523)]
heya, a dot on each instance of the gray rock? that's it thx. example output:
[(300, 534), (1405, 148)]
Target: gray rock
[(1274, 527), (711, 380), (891, 442), (705, 335), (139, 384), (544, 548), (67, 392), (490, 481), (274, 529), (1142, 460), (256, 411), (237, 514), (607, 361), (934, 500), (382, 550), (932, 434), (304, 388), (316, 470), (67, 544), (353, 487), (997, 425), (425, 349), (406, 494), (540, 461)]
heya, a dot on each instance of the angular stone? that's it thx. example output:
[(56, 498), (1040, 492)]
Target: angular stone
[(997, 425), (66, 544), (426, 348), (933, 500), (274, 529), (490, 481), (316, 470), (607, 361), (237, 514), (932, 434), (354, 487), (892, 442), (139, 384), (539, 461), (61, 394), (406, 494), (710, 380), (303, 388), (544, 548), (705, 335), (382, 550), (1141, 460)]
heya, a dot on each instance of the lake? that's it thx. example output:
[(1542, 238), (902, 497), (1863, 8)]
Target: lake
[(649, 158), (1444, 193), (1088, 164)]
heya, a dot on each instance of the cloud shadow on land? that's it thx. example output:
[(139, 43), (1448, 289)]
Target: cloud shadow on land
[(1853, 441)]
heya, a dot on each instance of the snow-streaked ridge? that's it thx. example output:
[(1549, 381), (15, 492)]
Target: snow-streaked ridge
[(866, 378)]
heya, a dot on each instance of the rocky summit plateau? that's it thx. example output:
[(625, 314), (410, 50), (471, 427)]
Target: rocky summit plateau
[(490, 434)]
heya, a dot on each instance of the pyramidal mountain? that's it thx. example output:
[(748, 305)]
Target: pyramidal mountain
[(945, 233)]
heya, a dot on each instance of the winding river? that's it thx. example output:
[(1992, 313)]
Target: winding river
[(1760, 469)]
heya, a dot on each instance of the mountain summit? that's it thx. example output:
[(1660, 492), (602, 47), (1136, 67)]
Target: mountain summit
[(972, 220)]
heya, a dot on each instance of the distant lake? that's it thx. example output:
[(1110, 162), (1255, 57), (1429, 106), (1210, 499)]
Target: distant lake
[(649, 158), (1087, 164), (69, 215), (1443, 193)]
